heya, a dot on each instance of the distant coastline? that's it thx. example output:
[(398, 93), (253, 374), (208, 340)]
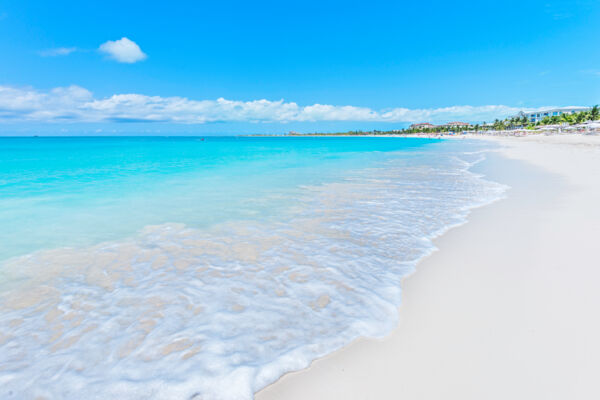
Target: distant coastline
[(552, 121)]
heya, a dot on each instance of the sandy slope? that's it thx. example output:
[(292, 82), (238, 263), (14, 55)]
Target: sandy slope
[(509, 308)]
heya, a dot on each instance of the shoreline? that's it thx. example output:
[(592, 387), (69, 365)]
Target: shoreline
[(498, 342), (442, 135)]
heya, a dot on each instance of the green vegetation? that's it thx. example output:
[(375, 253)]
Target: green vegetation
[(593, 114), (406, 131)]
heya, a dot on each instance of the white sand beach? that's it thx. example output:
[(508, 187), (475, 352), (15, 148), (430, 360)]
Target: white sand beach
[(508, 308)]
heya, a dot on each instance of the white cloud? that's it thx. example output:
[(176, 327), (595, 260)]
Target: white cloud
[(123, 50), (59, 51), (77, 104)]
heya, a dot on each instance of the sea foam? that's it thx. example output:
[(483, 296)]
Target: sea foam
[(177, 312)]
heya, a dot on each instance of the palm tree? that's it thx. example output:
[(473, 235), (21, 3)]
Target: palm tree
[(566, 117), (594, 113), (580, 117)]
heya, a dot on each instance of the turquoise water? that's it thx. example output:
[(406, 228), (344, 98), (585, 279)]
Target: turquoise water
[(168, 268), (76, 191)]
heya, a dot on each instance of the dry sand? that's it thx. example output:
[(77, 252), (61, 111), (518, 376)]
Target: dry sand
[(508, 308)]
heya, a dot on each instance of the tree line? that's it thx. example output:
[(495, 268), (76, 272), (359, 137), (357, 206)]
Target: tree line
[(593, 114)]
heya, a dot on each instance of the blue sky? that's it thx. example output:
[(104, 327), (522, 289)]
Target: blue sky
[(309, 66)]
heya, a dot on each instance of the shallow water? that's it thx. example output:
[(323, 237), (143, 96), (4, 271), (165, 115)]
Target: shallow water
[(166, 268)]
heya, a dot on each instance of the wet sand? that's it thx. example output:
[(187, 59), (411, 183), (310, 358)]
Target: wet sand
[(508, 306)]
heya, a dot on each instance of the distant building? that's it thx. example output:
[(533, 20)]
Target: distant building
[(424, 125), (537, 116), (457, 124)]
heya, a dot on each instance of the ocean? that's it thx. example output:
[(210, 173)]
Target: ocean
[(187, 267)]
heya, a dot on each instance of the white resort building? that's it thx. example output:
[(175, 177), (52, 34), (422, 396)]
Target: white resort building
[(425, 125), (457, 124), (449, 125), (537, 116)]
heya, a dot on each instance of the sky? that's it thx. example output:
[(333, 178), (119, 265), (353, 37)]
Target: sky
[(226, 67)]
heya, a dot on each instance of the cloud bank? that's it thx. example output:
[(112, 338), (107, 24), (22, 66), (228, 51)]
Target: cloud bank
[(77, 104), (123, 50)]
